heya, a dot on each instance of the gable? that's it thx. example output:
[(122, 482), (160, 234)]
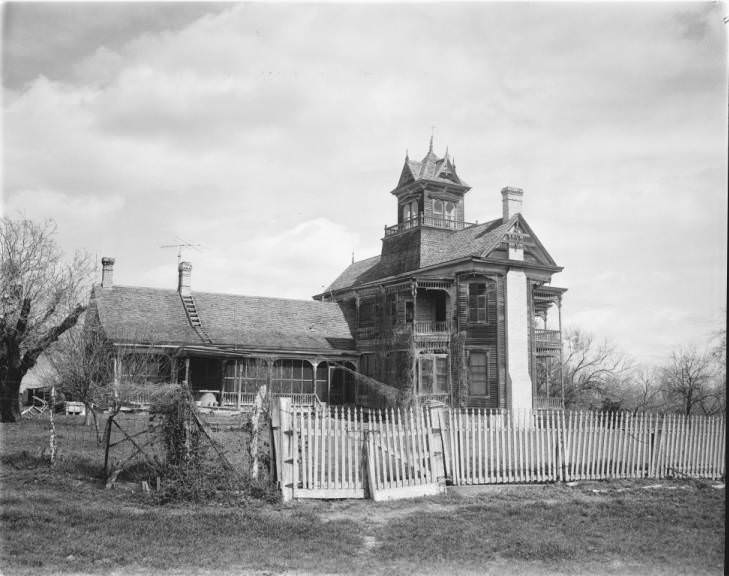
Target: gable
[(534, 250)]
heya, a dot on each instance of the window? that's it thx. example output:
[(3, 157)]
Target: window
[(450, 211), (441, 375), (477, 311), (433, 370), (478, 372), (409, 311), (406, 213), (437, 208), (366, 314)]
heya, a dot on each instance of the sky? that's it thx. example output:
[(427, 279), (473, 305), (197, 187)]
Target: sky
[(270, 135)]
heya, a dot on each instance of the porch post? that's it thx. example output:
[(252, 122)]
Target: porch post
[(186, 381), (314, 364)]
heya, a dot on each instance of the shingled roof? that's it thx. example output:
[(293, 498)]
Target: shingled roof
[(432, 168), (476, 240), (133, 313)]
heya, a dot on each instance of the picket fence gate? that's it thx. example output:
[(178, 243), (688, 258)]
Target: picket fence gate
[(384, 454), (339, 452)]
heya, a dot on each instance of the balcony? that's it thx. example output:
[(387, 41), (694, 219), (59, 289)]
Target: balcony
[(427, 222), (547, 339)]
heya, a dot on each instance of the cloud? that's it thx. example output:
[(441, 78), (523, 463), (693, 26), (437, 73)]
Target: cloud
[(272, 134)]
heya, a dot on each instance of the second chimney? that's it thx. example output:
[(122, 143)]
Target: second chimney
[(183, 279), (107, 272), (511, 199)]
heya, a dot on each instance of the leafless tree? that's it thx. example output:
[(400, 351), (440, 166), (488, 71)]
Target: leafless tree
[(41, 297), (593, 371), (82, 364), (643, 392), (686, 381)]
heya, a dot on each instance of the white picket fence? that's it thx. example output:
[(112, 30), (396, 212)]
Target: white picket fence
[(487, 447), (328, 452)]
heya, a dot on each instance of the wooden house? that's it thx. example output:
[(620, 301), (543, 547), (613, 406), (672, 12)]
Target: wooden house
[(459, 312), (225, 346), (454, 311)]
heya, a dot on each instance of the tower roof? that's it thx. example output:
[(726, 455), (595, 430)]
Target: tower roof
[(432, 168)]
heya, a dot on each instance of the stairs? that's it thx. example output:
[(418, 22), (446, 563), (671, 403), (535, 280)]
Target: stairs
[(192, 316)]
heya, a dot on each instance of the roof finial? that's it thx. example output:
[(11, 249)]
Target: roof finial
[(446, 154), (352, 256), (432, 131), (407, 154)]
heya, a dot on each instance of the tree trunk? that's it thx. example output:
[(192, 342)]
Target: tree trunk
[(9, 395)]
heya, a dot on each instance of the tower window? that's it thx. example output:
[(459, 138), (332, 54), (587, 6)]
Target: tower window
[(437, 208), (450, 211)]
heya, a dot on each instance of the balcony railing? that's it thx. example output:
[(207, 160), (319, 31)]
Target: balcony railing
[(427, 221), (547, 338), (368, 333), (547, 403), (431, 327)]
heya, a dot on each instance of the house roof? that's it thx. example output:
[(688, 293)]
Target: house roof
[(156, 315), (474, 241)]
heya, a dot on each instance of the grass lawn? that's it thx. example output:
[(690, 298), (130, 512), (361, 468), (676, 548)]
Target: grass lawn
[(63, 521)]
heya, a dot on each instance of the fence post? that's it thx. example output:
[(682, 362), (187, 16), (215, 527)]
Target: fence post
[(284, 458)]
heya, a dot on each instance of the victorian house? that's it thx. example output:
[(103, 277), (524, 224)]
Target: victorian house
[(453, 311), (460, 312)]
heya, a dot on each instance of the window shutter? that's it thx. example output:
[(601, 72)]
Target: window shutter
[(462, 305)]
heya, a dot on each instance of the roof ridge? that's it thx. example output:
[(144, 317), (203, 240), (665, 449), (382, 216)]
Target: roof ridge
[(196, 293)]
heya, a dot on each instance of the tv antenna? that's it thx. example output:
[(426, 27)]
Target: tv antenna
[(180, 246)]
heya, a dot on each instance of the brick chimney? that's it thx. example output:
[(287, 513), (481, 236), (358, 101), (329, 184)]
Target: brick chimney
[(107, 272), (511, 201), (183, 278)]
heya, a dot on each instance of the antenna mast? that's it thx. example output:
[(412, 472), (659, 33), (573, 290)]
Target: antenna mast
[(179, 247)]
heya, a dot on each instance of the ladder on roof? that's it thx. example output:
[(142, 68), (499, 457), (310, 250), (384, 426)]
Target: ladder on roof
[(192, 316)]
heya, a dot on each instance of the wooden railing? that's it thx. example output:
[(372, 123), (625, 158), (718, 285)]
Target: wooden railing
[(547, 338), (428, 221), (367, 333), (249, 398), (431, 327), (547, 403)]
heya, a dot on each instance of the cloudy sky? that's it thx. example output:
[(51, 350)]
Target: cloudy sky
[(271, 134)]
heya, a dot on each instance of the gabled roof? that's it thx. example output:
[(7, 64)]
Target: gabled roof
[(475, 241), (132, 313)]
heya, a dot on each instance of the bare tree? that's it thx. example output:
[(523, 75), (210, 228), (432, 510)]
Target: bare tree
[(593, 371), (42, 297), (686, 381), (643, 392), (83, 367)]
